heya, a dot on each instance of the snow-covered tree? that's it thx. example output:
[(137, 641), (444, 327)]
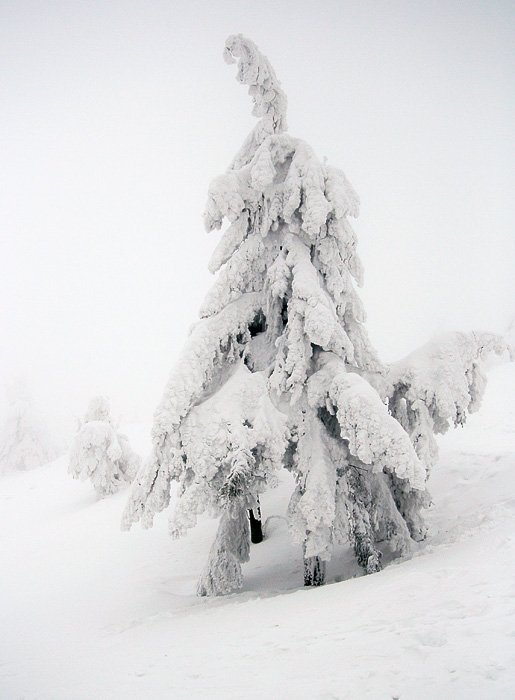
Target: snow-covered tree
[(279, 371), (24, 439), (101, 453)]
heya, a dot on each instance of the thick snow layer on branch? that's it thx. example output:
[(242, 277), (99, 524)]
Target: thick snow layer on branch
[(438, 384), (245, 272), (313, 303), (207, 358), (284, 180), (211, 340), (232, 443), (338, 499), (340, 193), (445, 373), (229, 243), (338, 279), (373, 436)]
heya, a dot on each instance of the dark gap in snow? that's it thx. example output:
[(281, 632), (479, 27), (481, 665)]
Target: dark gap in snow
[(258, 325), (284, 311), (281, 170), (330, 422)]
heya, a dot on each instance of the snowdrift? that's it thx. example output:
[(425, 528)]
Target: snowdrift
[(91, 612)]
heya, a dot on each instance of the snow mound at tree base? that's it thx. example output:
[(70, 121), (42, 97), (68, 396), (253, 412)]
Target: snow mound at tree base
[(91, 612)]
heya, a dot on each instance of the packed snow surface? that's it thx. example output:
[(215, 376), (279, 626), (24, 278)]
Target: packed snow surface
[(88, 611)]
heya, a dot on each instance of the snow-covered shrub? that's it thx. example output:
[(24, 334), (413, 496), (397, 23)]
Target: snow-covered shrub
[(24, 439), (279, 371), (100, 453)]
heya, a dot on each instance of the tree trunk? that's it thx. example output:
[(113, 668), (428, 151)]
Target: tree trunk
[(367, 555), (314, 571), (256, 530)]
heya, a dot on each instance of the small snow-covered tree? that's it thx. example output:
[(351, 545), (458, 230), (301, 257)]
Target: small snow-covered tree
[(24, 439), (279, 371), (100, 453)]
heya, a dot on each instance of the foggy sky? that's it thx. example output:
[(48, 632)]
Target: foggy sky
[(114, 117)]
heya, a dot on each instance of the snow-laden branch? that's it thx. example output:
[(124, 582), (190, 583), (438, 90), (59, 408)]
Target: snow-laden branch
[(232, 443), (373, 436), (283, 180), (438, 384), (210, 352)]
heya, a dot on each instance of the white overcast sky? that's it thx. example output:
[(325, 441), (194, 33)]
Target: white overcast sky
[(114, 116)]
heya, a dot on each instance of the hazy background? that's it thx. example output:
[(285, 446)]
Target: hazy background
[(114, 117)]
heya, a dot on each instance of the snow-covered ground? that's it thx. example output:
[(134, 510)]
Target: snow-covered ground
[(90, 613)]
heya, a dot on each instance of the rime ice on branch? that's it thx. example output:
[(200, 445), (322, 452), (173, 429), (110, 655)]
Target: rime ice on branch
[(100, 453), (279, 371)]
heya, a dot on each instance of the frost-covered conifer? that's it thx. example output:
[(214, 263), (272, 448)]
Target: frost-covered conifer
[(100, 453), (24, 439), (279, 371)]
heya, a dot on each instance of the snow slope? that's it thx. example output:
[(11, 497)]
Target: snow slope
[(88, 612)]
